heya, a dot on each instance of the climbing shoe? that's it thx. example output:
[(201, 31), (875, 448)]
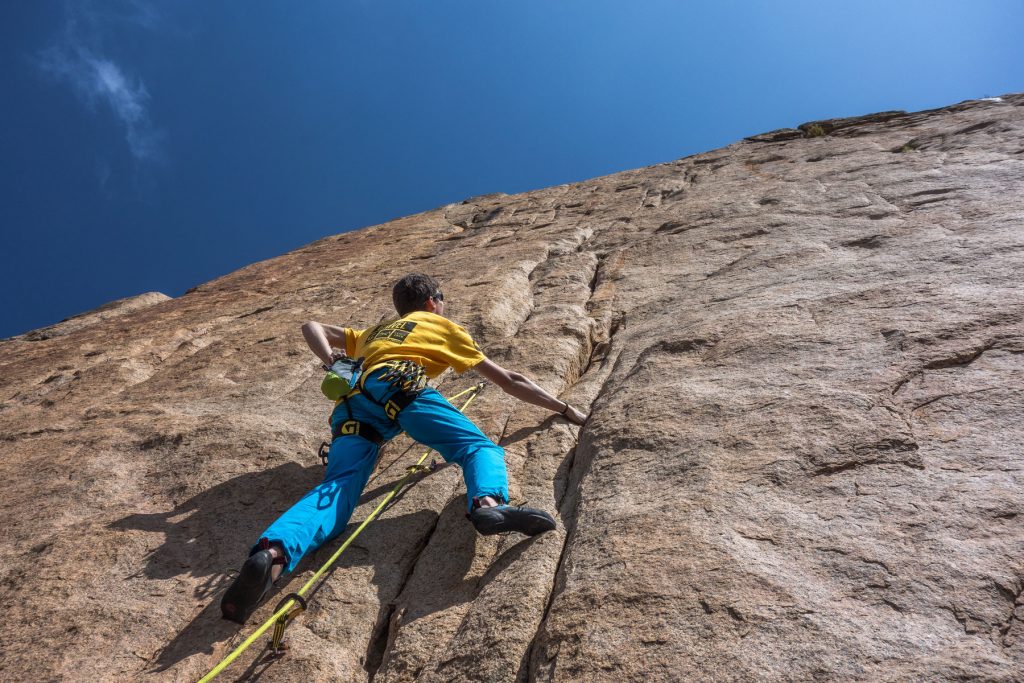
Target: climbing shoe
[(249, 587), (501, 518)]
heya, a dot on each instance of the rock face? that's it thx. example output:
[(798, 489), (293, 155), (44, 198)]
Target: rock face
[(107, 311), (803, 356)]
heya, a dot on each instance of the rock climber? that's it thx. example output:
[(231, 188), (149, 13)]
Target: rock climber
[(392, 397)]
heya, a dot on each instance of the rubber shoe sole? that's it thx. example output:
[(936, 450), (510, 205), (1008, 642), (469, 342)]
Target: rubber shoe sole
[(501, 518), (252, 583)]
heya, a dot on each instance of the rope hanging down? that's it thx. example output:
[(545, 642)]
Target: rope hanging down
[(294, 604)]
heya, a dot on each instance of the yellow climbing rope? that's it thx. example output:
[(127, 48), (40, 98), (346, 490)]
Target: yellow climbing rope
[(284, 612)]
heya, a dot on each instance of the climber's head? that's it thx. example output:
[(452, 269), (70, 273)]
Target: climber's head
[(418, 292)]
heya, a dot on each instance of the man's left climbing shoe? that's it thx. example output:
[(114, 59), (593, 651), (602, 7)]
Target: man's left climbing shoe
[(501, 518), (252, 583)]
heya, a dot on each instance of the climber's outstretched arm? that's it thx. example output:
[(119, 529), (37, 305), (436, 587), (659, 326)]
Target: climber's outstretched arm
[(520, 386), (321, 338)]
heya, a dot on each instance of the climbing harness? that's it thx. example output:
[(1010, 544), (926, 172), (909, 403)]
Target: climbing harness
[(352, 426), (407, 377), (293, 604)]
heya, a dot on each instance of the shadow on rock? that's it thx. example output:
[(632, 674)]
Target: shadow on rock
[(524, 432), (213, 538), (440, 580), (213, 531), (208, 629), (383, 489)]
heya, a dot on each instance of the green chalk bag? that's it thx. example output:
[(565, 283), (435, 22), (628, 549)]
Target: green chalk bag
[(342, 378)]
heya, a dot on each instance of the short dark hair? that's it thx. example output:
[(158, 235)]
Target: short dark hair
[(412, 291)]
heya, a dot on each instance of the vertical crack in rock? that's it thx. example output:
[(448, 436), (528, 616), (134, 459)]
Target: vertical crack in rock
[(379, 641), (527, 671), (568, 514), (383, 635), (531, 279), (590, 353)]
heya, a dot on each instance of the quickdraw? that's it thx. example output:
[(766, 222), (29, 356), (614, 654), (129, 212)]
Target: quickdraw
[(405, 375), (297, 605)]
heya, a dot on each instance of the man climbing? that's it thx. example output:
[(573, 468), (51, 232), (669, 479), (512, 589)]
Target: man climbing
[(392, 397)]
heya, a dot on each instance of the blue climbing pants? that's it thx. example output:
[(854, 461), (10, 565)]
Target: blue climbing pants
[(323, 513)]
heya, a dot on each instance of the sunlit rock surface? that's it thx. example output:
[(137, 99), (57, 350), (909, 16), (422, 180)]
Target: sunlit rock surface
[(803, 358)]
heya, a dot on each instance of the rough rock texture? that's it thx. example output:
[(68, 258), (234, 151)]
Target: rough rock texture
[(107, 311), (803, 355)]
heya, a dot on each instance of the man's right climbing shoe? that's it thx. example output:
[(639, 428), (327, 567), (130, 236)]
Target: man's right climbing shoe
[(249, 587), (501, 518)]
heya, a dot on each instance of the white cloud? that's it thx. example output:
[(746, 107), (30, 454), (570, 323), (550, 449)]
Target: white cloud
[(75, 58)]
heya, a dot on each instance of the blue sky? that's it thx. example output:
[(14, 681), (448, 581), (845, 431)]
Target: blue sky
[(154, 146)]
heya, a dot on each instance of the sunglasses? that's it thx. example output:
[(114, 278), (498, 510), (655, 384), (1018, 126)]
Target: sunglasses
[(437, 296)]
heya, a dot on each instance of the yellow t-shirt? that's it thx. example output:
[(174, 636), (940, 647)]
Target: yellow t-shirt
[(431, 340)]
